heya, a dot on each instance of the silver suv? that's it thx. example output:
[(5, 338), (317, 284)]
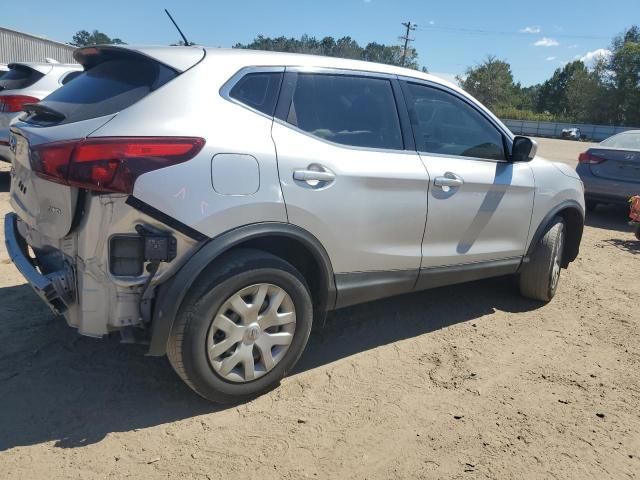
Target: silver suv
[(216, 203), (27, 83)]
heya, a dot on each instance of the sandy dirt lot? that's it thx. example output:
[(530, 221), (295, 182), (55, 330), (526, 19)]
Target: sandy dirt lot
[(470, 381)]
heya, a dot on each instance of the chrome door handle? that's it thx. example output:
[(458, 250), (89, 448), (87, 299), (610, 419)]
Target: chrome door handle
[(449, 180), (313, 175)]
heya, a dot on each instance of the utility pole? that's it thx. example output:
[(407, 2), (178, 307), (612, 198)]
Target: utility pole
[(410, 28)]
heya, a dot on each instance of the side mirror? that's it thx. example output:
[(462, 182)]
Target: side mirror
[(524, 149)]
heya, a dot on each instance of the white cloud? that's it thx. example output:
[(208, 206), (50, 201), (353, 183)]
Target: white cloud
[(550, 59), (531, 29), (590, 57), (546, 42)]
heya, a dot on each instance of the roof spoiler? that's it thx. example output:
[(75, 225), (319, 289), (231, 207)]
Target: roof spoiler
[(177, 58)]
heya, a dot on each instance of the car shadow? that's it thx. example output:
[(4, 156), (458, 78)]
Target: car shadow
[(58, 386), (609, 217)]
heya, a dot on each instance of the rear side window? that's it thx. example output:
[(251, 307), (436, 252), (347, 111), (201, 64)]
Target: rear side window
[(350, 110), (258, 91), (107, 88), (19, 76)]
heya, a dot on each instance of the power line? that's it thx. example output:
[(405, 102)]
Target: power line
[(477, 31), (410, 28)]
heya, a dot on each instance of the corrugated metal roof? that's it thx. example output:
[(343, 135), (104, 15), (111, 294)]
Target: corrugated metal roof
[(22, 47)]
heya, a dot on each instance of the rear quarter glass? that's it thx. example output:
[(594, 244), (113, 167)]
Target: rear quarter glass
[(105, 89)]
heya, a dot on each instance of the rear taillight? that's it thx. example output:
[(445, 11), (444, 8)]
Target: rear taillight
[(110, 164), (15, 103), (590, 158)]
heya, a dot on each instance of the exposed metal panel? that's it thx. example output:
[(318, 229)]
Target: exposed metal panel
[(22, 47)]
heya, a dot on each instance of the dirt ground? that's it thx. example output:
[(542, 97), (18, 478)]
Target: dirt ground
[(470, 381)]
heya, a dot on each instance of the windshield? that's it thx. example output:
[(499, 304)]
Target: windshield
[(107, 88)]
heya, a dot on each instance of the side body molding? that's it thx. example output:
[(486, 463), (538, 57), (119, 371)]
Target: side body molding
[(171, 293)]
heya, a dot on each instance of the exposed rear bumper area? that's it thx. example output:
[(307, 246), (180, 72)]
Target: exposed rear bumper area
[(56, 289)]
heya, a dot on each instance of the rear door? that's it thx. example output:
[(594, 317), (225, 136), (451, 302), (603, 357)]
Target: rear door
[(348, 175), (114, 80), (480, 204)]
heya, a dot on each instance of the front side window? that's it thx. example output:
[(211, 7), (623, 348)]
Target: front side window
[(349, 110), (258, 91), (446, 125)]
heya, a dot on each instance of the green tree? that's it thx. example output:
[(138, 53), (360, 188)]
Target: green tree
[(82, 38), (573, 92), (345, 47), (622, 74), (491, 82)]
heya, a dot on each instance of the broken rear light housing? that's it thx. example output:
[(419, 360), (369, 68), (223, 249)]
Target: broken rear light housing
[(110, 164)]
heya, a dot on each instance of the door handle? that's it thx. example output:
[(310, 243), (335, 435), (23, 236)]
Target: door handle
[(314, 173), (449, 180)]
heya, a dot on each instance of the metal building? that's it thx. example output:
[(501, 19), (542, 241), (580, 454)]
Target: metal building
[(23, 47)]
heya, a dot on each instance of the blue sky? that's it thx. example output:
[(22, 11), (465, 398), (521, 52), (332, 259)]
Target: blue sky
[(536, 37)]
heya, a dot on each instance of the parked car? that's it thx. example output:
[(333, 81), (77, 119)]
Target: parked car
[(611, 171), (217, 203), (3, 69), (26, 83), (571, 133)]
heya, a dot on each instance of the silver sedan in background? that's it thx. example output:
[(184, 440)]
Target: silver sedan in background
[(611, 171)]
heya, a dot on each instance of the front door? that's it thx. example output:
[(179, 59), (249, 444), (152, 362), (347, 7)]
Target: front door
[(480, 204)]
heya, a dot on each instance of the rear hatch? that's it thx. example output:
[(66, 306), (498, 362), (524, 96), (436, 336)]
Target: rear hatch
[(12, 86), (46, 140), (615, 164)]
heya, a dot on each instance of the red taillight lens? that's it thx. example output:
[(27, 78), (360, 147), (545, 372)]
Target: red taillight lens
[(588, 157), (110, 164), (15, 103)]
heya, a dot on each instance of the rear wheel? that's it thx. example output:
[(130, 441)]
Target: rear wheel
[(540, 277), (243, 327)]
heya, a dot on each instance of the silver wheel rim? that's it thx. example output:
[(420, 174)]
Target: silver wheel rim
[(251, 332), (556, 268)]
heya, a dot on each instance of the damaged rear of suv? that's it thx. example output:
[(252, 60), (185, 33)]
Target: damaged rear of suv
[(216, 203)]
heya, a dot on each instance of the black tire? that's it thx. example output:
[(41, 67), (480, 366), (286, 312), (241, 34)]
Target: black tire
[(540, 277), (187, 346), (591, 205)]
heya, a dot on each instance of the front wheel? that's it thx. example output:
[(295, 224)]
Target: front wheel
[(242, 328), (540, 277)]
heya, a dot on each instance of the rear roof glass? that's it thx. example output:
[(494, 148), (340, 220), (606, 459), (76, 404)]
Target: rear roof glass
[(107, 88), (19, 76)]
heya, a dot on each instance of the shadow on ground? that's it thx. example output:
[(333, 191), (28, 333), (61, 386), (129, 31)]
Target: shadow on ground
[(58, 386), (609, 217)]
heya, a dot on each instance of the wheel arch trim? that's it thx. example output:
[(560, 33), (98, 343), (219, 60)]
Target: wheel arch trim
[(171, 293), (572, 245)]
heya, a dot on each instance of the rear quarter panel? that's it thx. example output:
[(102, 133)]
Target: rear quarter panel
[(191, 105)]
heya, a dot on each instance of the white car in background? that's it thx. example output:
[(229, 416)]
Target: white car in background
[(25, 83)]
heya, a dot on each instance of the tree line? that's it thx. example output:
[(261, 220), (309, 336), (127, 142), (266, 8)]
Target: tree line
[(606, 93)]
